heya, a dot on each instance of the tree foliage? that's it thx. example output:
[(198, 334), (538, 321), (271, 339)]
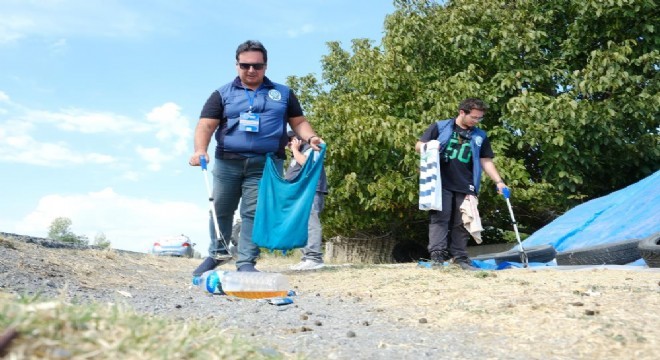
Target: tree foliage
[(572, 87), (101, 241), (60, 229)]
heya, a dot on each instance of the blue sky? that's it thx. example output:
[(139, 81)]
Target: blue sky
[(99, 99)]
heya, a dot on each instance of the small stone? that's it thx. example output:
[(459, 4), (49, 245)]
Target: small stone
[(318, 323), (350, 334), (591, 312), (423, 321), (59, 353), (269, 352), (366, 323), (178, 306), (304, 317)]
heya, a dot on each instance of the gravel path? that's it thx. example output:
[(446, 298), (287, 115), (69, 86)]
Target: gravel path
[(355, 312), (332, 327)]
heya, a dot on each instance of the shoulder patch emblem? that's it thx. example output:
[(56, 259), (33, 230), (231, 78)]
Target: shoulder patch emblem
[(274, 94), (479, 140)]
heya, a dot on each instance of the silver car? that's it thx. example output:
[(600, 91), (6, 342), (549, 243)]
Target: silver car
[(178, 245)]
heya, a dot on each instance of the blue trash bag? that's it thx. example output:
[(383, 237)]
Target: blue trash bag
[(283, 206)]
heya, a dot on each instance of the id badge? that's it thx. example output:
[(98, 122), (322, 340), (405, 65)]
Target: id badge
[(249, 122)]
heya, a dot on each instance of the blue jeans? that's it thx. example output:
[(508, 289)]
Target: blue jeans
[(314, 231), (237, 180)]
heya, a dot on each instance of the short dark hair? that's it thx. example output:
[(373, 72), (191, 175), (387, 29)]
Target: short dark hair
[(470, 104), (252, 45)]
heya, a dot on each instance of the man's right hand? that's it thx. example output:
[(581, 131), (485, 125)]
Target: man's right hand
[(194, 159)]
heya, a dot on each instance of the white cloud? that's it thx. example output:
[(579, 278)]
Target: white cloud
[(4, 97), (58, 46), (171, 126), (172, 130), (129, 223), (304, 29), (163, 136), (20, 147), (152, 156), (14, 27), (78, 120), (130, 176), (62, 18)]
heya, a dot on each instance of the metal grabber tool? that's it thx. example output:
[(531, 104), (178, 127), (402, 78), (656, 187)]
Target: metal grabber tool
[(523, 254), (214, 216)]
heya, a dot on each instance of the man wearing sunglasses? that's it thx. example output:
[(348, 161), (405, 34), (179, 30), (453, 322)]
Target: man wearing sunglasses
[(249, 118), (464, 152)]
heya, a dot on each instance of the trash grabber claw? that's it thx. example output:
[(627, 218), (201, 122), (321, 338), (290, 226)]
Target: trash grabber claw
[(523, 254), (218, 234)]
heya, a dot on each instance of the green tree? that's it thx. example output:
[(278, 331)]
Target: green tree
[(572, 87), (60, 229), (101, 241)]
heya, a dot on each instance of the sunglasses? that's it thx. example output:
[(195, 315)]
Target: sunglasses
[(477, 119), (246, 66)]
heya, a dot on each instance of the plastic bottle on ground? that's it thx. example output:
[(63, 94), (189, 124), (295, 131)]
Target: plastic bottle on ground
[(254, 285), (209, 281)]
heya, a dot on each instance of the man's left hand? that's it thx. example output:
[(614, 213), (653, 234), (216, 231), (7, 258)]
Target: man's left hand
[(315, 141)]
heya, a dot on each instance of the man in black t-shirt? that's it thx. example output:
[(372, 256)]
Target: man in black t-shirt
[(460, 172)]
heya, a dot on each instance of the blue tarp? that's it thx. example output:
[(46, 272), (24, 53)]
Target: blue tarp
[(493, 265), (630, 213)]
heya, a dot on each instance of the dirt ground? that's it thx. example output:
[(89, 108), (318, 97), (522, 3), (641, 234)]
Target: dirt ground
[(544, 313), (597, 313)]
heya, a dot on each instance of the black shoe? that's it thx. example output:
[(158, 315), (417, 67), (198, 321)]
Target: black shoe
[(465, 264), (208, 264), (440, 257), (247, 268), (222, 257)]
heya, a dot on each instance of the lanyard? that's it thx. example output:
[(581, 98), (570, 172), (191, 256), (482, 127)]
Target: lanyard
[(251, 98)]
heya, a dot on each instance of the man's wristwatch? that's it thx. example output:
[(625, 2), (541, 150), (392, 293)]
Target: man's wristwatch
[(310, 138)]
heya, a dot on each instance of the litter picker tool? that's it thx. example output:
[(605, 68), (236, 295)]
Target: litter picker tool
[(523, 254), (218, 234)]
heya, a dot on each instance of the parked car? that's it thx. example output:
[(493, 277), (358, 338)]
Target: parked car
[(178, 245)]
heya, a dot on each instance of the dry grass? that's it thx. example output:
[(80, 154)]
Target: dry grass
[(596, 313), (58, 330), (565, 314), (600, 314)]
